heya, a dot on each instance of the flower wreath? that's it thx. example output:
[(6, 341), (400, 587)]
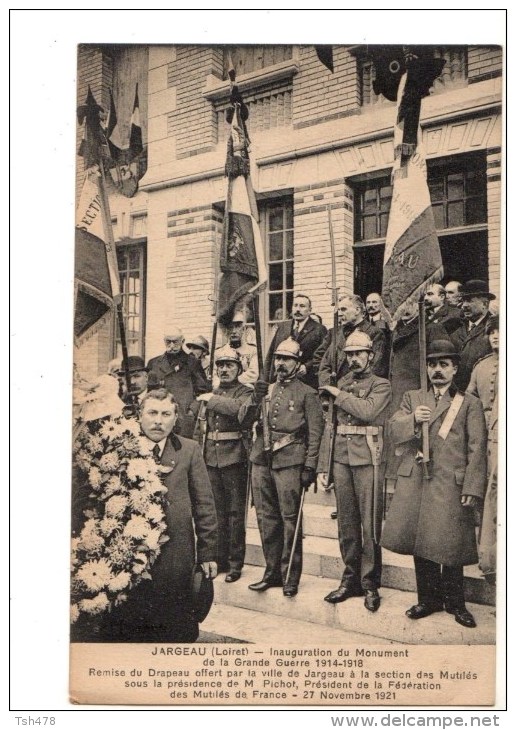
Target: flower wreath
[(125, 524)]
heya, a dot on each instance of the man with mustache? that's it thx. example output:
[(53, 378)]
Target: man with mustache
[(284, 467), (226, 458), (361, 399), (432, 514)]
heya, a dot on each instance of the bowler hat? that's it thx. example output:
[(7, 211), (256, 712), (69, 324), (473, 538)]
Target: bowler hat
[(476, 288), (135, 364), (441, 348), (201, 589)]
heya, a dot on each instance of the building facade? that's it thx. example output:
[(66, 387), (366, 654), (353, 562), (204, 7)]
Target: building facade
[(319, 140)]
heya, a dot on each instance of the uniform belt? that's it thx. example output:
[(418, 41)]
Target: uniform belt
[(224, 435), (344, 430), (284, 439)]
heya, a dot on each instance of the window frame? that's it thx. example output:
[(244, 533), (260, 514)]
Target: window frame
[(122, 247)]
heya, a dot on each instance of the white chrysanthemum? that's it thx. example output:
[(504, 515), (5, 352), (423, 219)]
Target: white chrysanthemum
[(154, 513), (115, 506), (140, 564), (109, 462), (120, 551), (95, 477), (74, 613), (119, 582), (113, 485), (137, 469), (95, 443), (154, 485), (137, 527), (90, 539), (152, 539), (95, 605), (108, 525), (131, 426), (82, 459), (95, 574), (139, 500)]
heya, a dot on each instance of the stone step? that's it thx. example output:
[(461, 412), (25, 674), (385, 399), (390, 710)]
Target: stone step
[(231, 623), (321, 557), (388, 624)]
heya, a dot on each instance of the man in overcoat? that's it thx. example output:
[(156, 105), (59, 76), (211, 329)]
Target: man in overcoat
[(161, 609), (182, 375), (283, 467), (432, 516), (307, 332), (470, 338)]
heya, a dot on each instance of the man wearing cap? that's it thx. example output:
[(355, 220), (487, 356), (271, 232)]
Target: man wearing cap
[(438, 311), (484, 384), (352, 317), (162, 609), (283, 461), (432, 514), (307, 332), (247, 352), (181, 374), (138, 379), (225, 455), (200, 349), (470, 339), (361, 399)]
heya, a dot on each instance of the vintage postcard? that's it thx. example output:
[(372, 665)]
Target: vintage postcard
[(287, 292)]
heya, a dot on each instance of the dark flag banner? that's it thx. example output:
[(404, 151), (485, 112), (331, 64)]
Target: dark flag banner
[(242, 262), (93, 295), (325, 56), (412, 258), (135, 135)]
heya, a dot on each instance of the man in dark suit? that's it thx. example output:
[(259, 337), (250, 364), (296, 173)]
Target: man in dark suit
[(433, 518), (438, 311), (470, 338), (182, 375), (307, 332), (162, 610), (352, 317)]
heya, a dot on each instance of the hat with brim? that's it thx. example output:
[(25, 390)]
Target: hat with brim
[(200, 342), (201, 589), (441, 348), (476, 288), (135, 364)]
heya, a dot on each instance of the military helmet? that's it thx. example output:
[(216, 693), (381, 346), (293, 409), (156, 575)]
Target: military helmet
[(200, 342), (227, 354), (289, 348), (358, 341)]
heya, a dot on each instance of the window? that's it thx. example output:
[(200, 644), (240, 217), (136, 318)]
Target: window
[(373, 202), (458, 193), (131, 267), (247, 59), (278, 226), (454, 73)]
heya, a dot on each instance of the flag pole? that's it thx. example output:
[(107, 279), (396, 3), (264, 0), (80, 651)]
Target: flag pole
[(110, 246), (422, 379)]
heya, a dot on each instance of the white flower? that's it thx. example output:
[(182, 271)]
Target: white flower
[(113, 485), (108, 525), (95, 476), (154, 485), (154, 513), (152, 539), (119, 582), (109, 462), (140, 563), (90, 538), (95, 605), (137, 469), (95, 574), (137, 527), (139, 500), (74, 613), (115, 506)]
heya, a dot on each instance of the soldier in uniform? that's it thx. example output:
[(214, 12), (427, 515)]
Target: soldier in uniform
[(283, 462), (361, 399), (225, 455), (247, 352)]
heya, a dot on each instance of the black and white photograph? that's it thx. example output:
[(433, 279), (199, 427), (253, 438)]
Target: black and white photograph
[(288, 314)]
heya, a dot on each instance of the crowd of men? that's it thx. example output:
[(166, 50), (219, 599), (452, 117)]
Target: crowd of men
[(346, 410)]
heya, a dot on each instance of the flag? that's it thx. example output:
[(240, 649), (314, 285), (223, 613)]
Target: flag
[(412, 257), (135, 134), (242, 261), (96, 268), (93, 144), (115, 149), (325, 56)]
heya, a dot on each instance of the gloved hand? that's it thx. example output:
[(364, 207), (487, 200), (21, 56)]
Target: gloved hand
[(261, 388), (307, 477)]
